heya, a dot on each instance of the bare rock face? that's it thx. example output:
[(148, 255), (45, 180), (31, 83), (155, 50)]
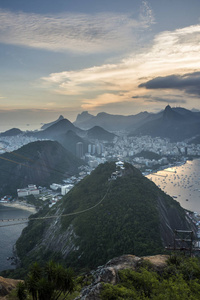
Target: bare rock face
[(6, 286), (109, 272)]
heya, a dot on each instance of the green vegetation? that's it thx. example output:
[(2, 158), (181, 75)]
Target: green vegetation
[(51, 282), (148, 155), (125, 220), (31, 199), (41, 163), (179, 280)]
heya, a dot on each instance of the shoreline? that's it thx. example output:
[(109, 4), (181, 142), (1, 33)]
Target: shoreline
[(20, 205)]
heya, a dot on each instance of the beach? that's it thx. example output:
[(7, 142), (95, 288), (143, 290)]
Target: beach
[(20, 205)]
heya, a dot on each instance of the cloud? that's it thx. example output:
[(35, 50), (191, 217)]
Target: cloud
[(85, 33), (167, 100), (190, 83), (176, 52), (170, 99)]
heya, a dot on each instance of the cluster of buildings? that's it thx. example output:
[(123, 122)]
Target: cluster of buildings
[(127, 148), (6, 199), (123, 148), (97, 148), (11, 143), (56, 190), (119, 170), (93, 149)]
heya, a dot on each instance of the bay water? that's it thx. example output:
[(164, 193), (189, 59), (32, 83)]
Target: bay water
[(182, 183), (10, 234)]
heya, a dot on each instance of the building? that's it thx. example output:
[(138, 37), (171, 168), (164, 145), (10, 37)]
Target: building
[(79, 149), (30, 190), (89, 148), (22, 192), (55, 186), (99, 149), (66, 188), (93, 149)]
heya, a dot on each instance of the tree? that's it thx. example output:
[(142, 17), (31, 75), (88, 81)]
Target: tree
[(21, 291), (52, 282)]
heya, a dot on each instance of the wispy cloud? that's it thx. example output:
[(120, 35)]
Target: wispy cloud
[(172, 53), (169, 99), (73, 32)]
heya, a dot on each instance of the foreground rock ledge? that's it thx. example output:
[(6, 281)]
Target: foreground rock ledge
[(109, 272), (6, 286)]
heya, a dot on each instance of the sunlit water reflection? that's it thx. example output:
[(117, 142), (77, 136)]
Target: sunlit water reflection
[(182, 183)]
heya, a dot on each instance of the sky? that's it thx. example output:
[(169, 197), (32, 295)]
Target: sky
[(120, 57)]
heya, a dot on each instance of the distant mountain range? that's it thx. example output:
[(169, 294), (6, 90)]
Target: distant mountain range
[(109, 122), (175, 123), (128, 215), (41, 163), (69, 135)]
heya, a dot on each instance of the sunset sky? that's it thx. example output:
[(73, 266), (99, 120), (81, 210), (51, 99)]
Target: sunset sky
[(121, 57)]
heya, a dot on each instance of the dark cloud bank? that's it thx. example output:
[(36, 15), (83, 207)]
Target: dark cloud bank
[(190, 83)]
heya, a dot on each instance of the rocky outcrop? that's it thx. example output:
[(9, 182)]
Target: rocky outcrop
[(109, 272), (6, 286)]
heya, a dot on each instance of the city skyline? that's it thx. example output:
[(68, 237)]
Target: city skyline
[(112, 56)]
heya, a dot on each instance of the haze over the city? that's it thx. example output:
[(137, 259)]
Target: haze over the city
[(120, 57)]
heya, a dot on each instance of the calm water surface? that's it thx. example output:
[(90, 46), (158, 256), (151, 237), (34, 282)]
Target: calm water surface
[(182, 183), (9, 235)]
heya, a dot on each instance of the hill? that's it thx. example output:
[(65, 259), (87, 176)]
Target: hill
[(45, 126), (11, 132), (108, 218), (40, 163), (64, 132), (99, 133), (68, 135), (58, 128), (174, 123), (70, 139)]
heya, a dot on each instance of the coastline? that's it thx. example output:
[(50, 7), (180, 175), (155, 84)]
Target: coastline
[(20, 205)]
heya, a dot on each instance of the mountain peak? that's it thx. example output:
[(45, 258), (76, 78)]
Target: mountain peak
[(45, 126), (170, 115), (11, 132), (168, 108)]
